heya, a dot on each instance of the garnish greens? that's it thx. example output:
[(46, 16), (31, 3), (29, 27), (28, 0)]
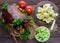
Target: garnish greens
[(3, 24), (17, 22), (4, 5), (24, 11), (25, 34)]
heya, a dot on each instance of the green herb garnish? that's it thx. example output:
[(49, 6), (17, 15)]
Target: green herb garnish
[(24, 11), (3, 24), (26, 34), (4, 5), (17, 22)]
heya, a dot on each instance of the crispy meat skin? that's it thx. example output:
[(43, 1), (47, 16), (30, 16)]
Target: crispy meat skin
[(6, 16)]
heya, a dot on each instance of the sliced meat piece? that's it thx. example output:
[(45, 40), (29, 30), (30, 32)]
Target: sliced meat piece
[(15, 12)]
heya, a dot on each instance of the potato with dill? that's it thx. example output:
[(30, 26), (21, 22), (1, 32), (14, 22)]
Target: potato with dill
[(46, 13)]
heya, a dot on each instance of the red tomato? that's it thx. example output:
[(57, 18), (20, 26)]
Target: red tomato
[(29, 9), (22, 4)]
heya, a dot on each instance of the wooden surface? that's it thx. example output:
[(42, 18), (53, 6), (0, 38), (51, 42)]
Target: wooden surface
[(55, 37)]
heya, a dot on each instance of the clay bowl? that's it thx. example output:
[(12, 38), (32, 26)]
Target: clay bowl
[(37, 21)]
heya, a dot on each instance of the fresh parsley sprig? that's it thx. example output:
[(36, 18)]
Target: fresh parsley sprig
[(3, 24), (4, 5), (17, 22), (25, 34), (24, 12)]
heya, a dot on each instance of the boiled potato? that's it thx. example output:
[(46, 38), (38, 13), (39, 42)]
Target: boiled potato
[(46, 13)]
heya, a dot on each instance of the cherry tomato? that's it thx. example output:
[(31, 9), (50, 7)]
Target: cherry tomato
[(29, 9), (22, 4)]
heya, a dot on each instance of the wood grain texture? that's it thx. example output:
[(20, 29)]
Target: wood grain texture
[(55, 37)]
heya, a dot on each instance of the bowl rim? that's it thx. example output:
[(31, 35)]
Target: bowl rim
[(46, 39), (37, 21)]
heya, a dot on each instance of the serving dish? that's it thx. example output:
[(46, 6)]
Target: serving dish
[(41, 23)]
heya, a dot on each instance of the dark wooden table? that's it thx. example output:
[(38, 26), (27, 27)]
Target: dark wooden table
[(55, 37)]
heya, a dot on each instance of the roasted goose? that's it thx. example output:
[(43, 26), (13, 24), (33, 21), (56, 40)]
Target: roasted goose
[(12, 12)]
